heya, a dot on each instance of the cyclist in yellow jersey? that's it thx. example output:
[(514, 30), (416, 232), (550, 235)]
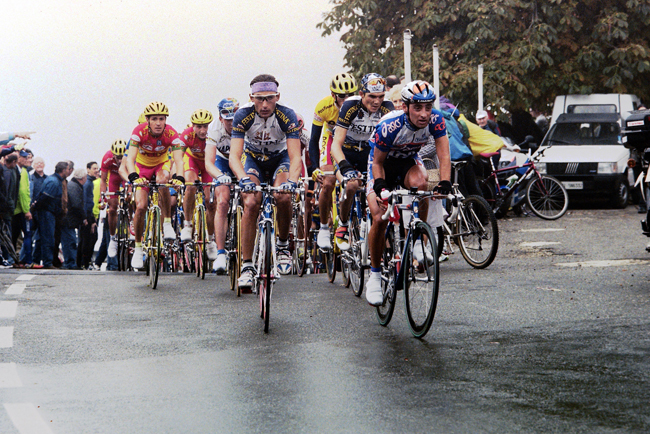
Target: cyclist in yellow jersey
[(326, 114)]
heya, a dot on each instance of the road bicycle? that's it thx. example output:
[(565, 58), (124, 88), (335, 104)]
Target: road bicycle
[(471, 224), (300, 225), (152, 244), (200, 239), (409, 263), (124, 243), (545, 196), (355, 262), (233, 238), (315, 258)]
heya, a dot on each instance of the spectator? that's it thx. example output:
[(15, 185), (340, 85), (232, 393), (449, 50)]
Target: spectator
[(460, 151), (11, 177), (48, 206), (22, 219), (36, 180), (395, 96), (64, 206), (88, 233), (540, 119), (102, 253), (486, 123), (391, 81), (73, 220), (7, 137)]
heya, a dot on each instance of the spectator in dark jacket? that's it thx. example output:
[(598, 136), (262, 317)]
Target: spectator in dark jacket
[(73, 220), (36, 180), (48, 207), (88, 233)]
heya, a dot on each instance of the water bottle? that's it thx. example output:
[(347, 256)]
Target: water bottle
[(512, 180), (362, 231)]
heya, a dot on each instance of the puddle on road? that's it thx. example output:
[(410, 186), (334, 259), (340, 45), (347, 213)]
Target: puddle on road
[(606, 263)]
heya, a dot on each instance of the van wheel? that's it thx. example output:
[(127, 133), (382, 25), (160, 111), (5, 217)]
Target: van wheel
[(621, 193)]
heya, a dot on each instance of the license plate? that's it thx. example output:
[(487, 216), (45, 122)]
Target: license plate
[(572, 185), (635, 124)]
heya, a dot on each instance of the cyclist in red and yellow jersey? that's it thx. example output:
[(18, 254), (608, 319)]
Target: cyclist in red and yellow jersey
[(111, 181), (193, 139), (148, 159)]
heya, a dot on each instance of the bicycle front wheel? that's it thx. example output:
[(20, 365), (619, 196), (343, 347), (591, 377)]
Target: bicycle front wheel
[(200, 237), (477, 232), (266, 275), (155, 247), (388, 282), (547, 197), (233, 249), (421, 282), (122, 241)]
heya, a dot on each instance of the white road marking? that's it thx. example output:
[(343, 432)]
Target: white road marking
[(543, 230), (9, 375), (6, 337), (549, 289), (8, 309), (25, 277), (607, 263), (26, 418), (16, 289), (539, 244)]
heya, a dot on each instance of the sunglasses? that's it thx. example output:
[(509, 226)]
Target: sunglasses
[(264, 98), (376, 81), (227, 112), (344, 95)]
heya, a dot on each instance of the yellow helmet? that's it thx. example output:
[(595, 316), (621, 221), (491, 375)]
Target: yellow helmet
[(343, 83), (201, 117), (142, 119), (118, 148), (156, 108)]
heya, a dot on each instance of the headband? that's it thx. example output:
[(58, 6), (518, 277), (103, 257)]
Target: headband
[(264, 86)]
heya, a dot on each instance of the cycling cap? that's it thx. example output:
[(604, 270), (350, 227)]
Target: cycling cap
[(201, 117), (156, 108), (343, 83), (418, 91), (481, 114), (373, 83), (142, 119), (227, 108), (118, 148)]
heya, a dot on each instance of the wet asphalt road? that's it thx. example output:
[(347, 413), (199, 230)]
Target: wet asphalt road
[(528, 345)]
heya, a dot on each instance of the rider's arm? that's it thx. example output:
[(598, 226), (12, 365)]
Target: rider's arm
[(314, 149), (442, 150), (295, 159), (130, 158), (210, 157), (123, 171), (337, 144), (102, 182), (177, 154), (378, 159), (236, 151)]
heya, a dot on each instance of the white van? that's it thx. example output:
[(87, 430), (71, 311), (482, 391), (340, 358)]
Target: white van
[(619, 103)]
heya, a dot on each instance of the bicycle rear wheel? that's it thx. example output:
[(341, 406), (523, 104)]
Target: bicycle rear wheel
[(231, 246), (477, 232), (388, 282), (300, 249), (200, 237), (122, 241), (421, 282), (155, 246), (266, 278), (547, 197)]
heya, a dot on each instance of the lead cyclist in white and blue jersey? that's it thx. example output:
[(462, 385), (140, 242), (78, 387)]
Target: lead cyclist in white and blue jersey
[(394, 162), (267, 135)]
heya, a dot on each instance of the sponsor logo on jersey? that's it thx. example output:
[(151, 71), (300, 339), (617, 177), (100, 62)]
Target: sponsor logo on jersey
[(387, 128), (281, 116)]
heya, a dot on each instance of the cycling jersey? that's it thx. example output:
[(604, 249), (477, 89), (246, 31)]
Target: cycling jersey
[(359, 122), (326, 113), (152, 151), (396, 135), (110, 166), (192, 144), (265, 138), (219, 137)]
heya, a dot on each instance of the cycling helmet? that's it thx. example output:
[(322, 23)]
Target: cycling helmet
[(373, 83), (156, 108), (227, 108), (142, 119), (118, 148), (418, 91), (343, 83), (201, 117)]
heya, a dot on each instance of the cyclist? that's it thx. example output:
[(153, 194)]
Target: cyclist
[(350, 149), (394, 161), (217, 151), (326, 113), (111, 181), (194, 145), (267, 135), (147, 158)]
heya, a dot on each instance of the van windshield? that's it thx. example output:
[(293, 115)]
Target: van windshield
[(591, 108), (584, 133)]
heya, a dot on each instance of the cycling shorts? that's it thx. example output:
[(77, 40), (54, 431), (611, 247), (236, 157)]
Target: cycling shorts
[(149, 172), (197, 166), (395, 170), (224, 165), (114, 182), (268, 170), (358, 159)]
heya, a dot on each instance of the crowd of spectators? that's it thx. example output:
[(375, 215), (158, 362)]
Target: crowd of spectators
[(48, 221)]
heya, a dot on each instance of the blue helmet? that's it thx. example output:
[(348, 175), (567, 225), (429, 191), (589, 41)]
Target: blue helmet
[(418, 91), (373, 83), (227, 108)]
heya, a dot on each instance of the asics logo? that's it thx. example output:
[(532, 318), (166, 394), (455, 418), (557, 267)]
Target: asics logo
[(391, 127)]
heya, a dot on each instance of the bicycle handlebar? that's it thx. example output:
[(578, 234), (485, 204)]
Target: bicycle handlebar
[(390, 212)]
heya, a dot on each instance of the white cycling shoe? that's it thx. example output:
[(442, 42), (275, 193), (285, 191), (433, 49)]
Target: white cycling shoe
[(186, 233), (112, 248), (220, 264), (137, 261), (323, 239), (211, 250), (374, 294), (168, 231)]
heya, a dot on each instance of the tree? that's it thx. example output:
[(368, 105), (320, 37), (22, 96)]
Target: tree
[(531, 51)]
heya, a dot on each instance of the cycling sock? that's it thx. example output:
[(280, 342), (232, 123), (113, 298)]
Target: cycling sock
[(187, 224), (342, 223), (138, 245), (283, 244), (324, 226), (246, 263), (167, 220), (221, 252), (375, 270)]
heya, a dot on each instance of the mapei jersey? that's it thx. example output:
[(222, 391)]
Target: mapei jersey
[(219, 137), (265, 138), (397, 136), (193, 145), (359, 122), (153, 150)]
